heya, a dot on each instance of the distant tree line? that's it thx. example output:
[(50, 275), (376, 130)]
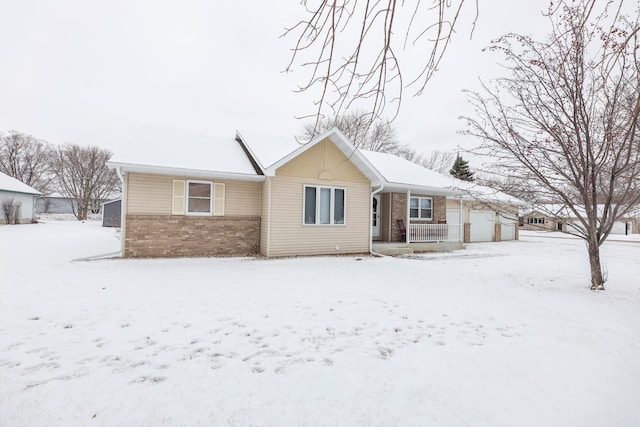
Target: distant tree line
[(379, 136), (76, 172)]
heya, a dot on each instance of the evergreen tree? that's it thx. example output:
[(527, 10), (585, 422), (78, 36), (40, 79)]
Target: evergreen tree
[(460, 169)]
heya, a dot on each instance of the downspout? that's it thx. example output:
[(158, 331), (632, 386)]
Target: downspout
[(371, 222), (461, 222), (123, 214)]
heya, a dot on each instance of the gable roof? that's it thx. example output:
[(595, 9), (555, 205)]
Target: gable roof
[(12, 185), (271, 152), (178, 152)]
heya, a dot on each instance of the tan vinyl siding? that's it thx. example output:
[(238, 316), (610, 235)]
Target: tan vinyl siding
[(265, 218), (242, 198), (153, 195), (323, 161), (289, 236), (149, 194)]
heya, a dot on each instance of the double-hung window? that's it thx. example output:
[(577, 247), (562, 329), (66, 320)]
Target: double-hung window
[(199, 197), (324, 205), (421, 208)]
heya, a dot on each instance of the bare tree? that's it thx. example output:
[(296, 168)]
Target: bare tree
[(439, 161), (380, 136), (11, 211), (564, 123), (81, 174), (351, 49), (26, 159)]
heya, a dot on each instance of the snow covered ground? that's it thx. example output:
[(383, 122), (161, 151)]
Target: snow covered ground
[(500, 334)]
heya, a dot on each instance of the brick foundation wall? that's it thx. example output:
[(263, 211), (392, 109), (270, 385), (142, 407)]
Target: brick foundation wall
[(190, 236)]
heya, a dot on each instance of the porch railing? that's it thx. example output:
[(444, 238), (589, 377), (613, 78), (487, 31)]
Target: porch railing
[(434, 233)]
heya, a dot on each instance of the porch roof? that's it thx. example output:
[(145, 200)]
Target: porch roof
[(401, 175)]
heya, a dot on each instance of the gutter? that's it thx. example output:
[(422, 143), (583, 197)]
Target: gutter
[(370, 223)]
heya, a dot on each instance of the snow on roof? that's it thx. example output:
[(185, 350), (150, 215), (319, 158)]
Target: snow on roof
[(399, 172), (12, 185), (177, 149), (474, 191), (268, 149)]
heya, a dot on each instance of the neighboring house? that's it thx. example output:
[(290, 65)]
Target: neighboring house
[(56, 203), (111, 213), (17, 197), (186, 194), (558, 218)]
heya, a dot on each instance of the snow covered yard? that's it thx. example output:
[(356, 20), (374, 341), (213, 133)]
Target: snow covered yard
[(501, 334)]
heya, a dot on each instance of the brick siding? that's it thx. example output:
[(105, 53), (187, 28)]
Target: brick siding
[(190, 236), (399, 211)]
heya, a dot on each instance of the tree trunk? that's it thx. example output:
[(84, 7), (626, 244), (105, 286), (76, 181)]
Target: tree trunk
[(82, 213), (597, 279)]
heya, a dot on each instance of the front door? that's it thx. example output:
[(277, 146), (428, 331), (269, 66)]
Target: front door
[(375, 217)]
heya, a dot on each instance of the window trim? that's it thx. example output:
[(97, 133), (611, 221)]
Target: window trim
[(332, 210), (187, 197), (420, 209)]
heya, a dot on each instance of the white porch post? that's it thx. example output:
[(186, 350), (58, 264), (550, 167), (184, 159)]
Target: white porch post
[(408, 222), (461, 222), (373, 193)]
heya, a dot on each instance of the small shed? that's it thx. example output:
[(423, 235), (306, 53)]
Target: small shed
[(111, 213)]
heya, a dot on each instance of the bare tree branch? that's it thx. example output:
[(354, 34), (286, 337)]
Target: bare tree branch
[(332, 50)]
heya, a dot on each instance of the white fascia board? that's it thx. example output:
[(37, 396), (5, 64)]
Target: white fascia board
[(35, 194), (488, 199), (195, 173), (434, 191)]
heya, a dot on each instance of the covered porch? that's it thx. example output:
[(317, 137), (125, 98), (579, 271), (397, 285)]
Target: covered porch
[(414, 221)]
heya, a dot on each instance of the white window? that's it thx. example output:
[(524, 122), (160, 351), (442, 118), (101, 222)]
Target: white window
[(421, 208), (324, 205), (199, 197)]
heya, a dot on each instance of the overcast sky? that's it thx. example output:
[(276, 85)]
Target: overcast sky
[(94, 72)]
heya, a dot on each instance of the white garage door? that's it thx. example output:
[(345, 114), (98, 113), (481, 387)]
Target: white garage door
[(507, 228), (482, 225)]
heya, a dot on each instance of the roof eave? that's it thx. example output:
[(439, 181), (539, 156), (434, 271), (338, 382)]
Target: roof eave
[(36, 194), (195, 173), (435, 191)]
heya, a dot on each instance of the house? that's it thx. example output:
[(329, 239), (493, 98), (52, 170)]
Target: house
[(17, 201), (187, 194), (553, 217), (56, 203)]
